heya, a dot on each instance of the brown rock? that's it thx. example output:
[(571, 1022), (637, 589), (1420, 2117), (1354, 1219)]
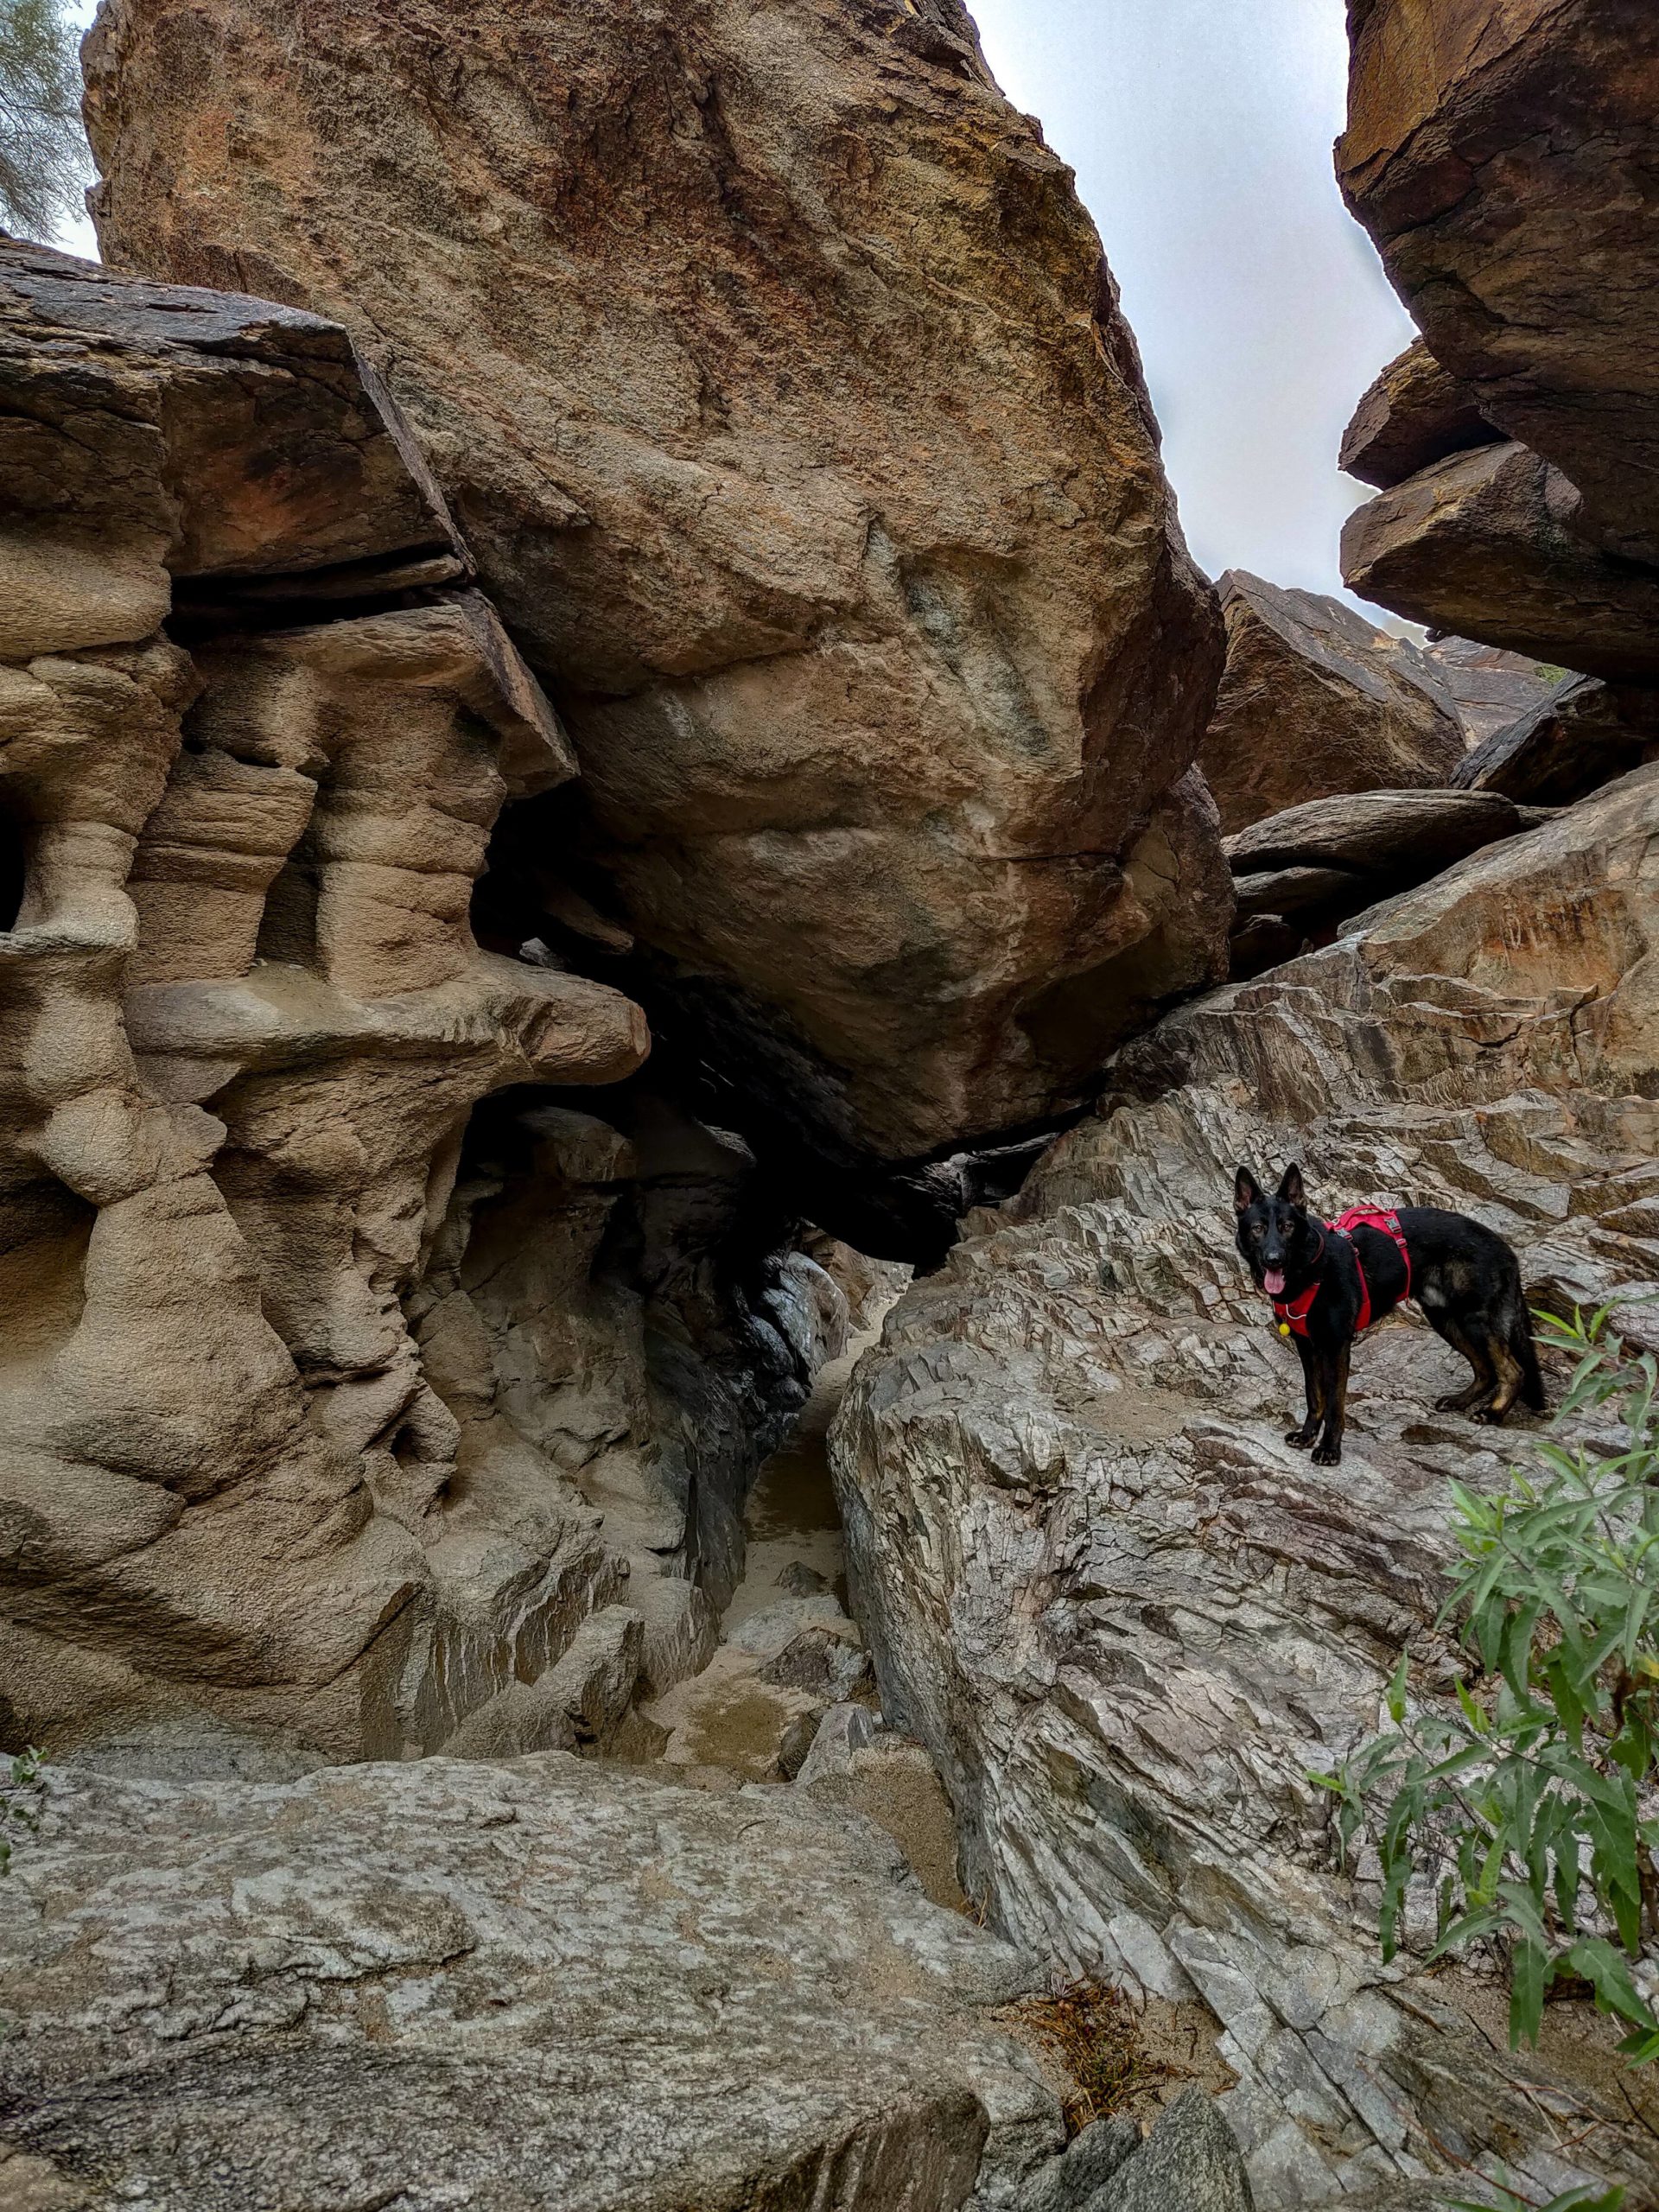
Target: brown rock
[(1582, 737), (1489, 688), (1413, 414), (1316, 700), (773, 371), (1129, 1620), (1482, 544), (274, 1458), (1506, 161), (1378, 832)]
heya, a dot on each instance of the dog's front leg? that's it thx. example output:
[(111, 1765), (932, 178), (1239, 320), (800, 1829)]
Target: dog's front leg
[(1302, 1437), (1334, 1381)]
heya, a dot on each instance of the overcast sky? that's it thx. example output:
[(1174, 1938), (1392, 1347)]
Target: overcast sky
[(1201, 134)]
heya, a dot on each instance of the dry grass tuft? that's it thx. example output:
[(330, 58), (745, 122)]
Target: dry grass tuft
[(1095, 2033)]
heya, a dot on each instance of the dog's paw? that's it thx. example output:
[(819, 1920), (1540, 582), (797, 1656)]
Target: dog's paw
[(1491, 1417), (1328, 1455), (1301, 1438), (1452, 1402)]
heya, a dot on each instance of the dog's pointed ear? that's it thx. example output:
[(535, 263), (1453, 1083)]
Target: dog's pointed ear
[(1246, 1191), (1290, 1186)]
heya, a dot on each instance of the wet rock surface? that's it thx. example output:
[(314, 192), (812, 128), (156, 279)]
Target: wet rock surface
[(1127, 1619), (1315, 700), (822, 483)]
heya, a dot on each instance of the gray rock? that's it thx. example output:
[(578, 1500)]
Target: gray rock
[(1126, 1618), (821, 1663), (844, 1731), (1378, 832), (1072, 2183), (544, 1986), (1190, 2162)]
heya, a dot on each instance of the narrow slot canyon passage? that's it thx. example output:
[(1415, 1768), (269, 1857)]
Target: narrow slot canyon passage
[(788, 1697)]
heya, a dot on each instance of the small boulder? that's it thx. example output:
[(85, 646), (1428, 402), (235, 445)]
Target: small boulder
[(1073, 2182)]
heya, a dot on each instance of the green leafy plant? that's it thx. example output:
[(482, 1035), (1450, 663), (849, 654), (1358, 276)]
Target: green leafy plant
[(43, 158), (1532, 1796), (20, 1792)]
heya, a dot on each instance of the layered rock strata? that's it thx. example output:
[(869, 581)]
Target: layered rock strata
[(1129, 1619), (776, 378), (245, 1023), (544, 1985), (1315, 700)]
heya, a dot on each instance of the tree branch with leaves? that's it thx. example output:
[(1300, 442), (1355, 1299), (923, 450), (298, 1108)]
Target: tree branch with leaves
[(1534, 1798), (44, 163)]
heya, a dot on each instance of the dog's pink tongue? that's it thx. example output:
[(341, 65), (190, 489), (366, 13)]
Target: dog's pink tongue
[(1273, 1282)]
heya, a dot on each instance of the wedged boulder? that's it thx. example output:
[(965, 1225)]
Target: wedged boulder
[(771, 364), (1506, 161), (1415, 414), (545, 1984), (1298, 876), (1316, 700), (1129, 1619), (1489, 688), (1580, 737), (1483, 544)]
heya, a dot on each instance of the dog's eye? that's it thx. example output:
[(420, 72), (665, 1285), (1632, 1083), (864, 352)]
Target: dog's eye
[(1258, 1232)]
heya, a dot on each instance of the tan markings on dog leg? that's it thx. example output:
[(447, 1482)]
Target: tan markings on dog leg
[(1509, 1377)]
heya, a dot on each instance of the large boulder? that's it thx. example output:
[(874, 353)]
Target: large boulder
[(1130, 1620), (274, 1451), (1506, 161), (772, 369), (543, 1985), (1316, 700), (1484, 544)]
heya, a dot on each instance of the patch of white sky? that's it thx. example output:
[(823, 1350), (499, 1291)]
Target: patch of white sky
[(1201, 133)]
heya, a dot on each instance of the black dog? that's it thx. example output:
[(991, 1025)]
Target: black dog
[(1330, 1279)]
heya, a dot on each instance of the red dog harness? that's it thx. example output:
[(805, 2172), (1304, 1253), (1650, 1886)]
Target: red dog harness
[(1292, 1313)]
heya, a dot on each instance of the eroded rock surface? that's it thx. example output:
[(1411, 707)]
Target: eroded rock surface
[(1580, 736), (244, 1025), (1315, 700), (1412, 416), (782, 393), (538, 1984), (1127, 1618)]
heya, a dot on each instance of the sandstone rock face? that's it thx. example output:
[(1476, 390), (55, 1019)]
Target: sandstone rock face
[(245, 1025), (1127, 1617), (1506, 161), (1580, 737), (1484, 544), (772, 369), (1412, 416), (1316, 700), (538, 1985)]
